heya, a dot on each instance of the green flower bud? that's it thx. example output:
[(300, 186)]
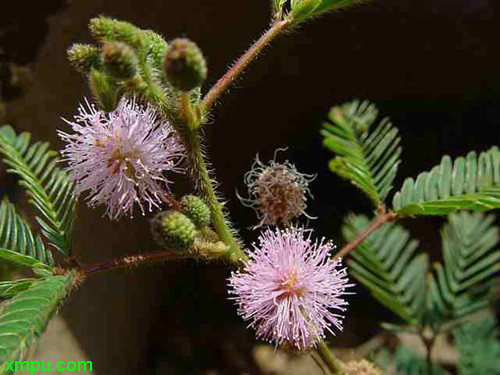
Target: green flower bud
[(197, 210), (104, 89), (156, 48), (184, 65), (173, 230), (119, 60), (83, 57), (109, 29)]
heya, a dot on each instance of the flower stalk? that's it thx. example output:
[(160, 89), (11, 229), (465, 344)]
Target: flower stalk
[(277, 28), (329, 358)]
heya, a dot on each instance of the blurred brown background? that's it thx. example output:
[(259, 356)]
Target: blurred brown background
[(432, 66)]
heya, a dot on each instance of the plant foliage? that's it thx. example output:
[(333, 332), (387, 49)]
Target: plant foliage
[(368, 157), (471, 183), (50, 189), (24, 318), (17, 243), (471, 258), (479, 346), (386, 264)]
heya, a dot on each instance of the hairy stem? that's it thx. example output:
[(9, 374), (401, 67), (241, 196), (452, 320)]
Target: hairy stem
[(329, 358), (187, 111), (129, 261), (190, 137), (202, 178), (382, 218), (227, 79)]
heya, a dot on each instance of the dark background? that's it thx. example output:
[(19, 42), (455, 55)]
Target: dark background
[(432, 66)]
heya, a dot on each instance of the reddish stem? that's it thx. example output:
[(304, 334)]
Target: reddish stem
[(381, 218), (134, 260), (227, 79)]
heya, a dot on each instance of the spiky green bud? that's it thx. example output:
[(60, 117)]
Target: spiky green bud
[(184, 65), (83, 57), (109, 29), (196, 209), (156, 48), (174, 230), (119, 60), (104, 90)]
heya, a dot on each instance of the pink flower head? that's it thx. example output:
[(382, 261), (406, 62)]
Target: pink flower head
[(121, 156), (288, 288)]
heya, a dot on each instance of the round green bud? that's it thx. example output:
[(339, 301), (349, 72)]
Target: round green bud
[(174, 230), (196, 209), (119, 60), (184, 65)]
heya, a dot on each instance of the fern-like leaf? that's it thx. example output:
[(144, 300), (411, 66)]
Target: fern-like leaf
[(24, 318), (50, 189), (471, 183), (479, 346), (9, 289), (17, 243), (368, 158), (386, 264), (471, 259)]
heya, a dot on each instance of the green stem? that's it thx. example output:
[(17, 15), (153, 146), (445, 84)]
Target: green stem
[(202, 178), (199, 174), (329, 358)]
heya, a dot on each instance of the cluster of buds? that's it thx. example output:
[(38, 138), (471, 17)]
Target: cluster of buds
[(129, 59), (177, 230)]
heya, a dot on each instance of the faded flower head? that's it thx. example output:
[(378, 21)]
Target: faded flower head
[(288, 288), (120, 157), (277, 191)]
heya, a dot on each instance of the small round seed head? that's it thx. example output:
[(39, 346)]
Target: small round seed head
[(277, 192), (173, 229), (196, 209), (184, 66)]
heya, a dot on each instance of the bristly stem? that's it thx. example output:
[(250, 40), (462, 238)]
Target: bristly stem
[(202, 177), (382, 218), (277, 28), (129, 261), (329, 358)]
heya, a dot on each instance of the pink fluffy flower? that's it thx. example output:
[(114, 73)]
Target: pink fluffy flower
[(120, 157), (289, 287)]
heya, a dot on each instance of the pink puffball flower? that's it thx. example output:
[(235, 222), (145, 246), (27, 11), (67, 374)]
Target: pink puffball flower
[(120, 157), (289, 287)]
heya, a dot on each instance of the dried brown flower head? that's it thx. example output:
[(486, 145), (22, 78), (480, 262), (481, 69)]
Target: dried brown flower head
[(277, 191)]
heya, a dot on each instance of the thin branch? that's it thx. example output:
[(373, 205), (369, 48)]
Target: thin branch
[(382, 218), (277, 28), (129, 261), (329, 358)]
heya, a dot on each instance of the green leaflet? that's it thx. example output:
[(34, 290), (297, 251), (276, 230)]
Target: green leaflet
[(471, 259), (368, 158), (386, 264), (9, 289), (479, 346), (24, 318), (17, 243), (303, 9), (471, 183), (50, 189)]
